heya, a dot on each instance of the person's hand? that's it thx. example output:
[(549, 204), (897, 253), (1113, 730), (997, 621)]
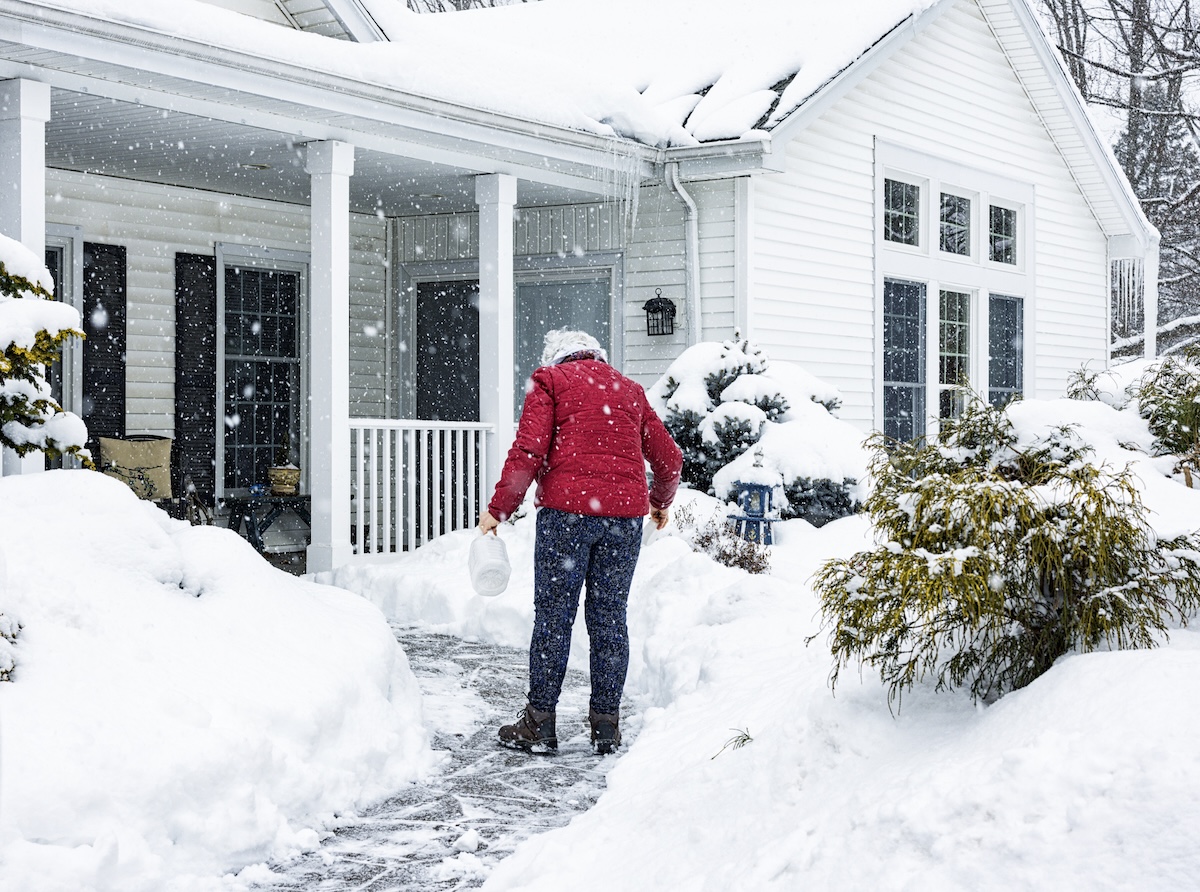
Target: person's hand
[(488, 523), (660, 516)]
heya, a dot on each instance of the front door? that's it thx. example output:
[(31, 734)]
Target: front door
[(447, 361)]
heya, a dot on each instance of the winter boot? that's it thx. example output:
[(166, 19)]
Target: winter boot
[(533, 731), (606, 733)]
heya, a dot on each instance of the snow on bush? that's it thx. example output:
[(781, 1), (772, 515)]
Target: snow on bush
[(997, 555), (737, 416), (1085, 779), (1165, 392), (179, 709), (33, 328)]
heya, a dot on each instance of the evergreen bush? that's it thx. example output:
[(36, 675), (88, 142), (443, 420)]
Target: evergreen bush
[(1168, 397), (8, 638), (33, 328), (996, 558), (723, 402)]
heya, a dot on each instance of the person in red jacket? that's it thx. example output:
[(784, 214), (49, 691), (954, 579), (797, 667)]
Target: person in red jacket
[(585, 434)]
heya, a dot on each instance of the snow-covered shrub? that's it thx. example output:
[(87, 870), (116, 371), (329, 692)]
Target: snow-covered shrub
[(33, 328), (737, 416), (717, 538), (1113, 386), (8, 637), (1168, 397), (996, 557)]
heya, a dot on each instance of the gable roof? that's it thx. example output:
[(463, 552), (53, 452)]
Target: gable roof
[(660, 72), (339, 19), (714, 84)]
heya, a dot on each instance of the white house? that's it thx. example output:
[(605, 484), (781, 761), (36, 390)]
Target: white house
[(335, 225)]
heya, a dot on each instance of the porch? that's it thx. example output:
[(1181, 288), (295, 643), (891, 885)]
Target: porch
[(155, 204)]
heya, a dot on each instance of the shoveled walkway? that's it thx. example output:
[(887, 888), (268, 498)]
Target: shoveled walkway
[(448, 833)]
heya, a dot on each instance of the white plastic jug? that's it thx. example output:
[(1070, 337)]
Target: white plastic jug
[(489, 566)]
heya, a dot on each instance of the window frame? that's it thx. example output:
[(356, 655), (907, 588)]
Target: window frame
[(541, 268), (974, 273), (252, 257)]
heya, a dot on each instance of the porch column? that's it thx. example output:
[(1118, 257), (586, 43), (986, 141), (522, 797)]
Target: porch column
[(496, 195), (24, 111), (330, 165)]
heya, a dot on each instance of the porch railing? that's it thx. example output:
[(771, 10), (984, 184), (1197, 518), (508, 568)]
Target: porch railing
[(414, 480)]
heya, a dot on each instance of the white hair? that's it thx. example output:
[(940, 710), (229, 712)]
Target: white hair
[(562, 342)]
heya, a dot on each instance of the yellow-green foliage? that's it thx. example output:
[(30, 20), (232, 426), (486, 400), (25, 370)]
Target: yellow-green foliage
[(996, 559)]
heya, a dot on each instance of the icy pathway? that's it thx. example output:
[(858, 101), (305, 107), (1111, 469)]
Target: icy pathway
[(503, 796)]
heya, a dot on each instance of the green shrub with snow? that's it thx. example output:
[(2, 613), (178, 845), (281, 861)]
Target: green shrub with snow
[(996, 557), (33, 328), (8, 637), (1168, 397), (737, 416)]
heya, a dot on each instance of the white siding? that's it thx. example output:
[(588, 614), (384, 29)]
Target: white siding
[(565, 230), (655, 259), (950, 93), (155, 222)]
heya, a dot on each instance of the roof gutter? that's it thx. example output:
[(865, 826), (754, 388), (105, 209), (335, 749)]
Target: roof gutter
[(691, 252)]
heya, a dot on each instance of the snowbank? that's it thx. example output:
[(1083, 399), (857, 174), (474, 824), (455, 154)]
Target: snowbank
[(179, 709), (1087, 779)]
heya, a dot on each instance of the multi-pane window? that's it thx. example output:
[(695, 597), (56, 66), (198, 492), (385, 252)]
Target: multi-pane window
[(951, 258), (955, 224), (901, 212), (903, 359), (954, 351), (262, 372), (1006, 348), (1002, 232)]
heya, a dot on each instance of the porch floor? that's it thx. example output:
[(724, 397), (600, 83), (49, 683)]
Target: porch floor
[(503, 796)]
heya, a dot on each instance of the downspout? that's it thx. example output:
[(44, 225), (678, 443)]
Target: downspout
[(691, 253)]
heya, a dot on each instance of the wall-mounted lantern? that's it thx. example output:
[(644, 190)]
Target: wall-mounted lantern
[(660, 314)]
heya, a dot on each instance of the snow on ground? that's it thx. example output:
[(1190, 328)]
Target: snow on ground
[(179, 709), (1087, 779)]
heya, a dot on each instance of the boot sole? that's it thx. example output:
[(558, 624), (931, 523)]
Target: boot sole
[(539, 748)]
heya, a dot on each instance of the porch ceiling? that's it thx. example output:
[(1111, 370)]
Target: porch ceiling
[(126, 99), (92, 134)]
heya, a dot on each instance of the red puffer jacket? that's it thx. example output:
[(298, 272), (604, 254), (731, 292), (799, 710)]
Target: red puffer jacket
[(583, 433)]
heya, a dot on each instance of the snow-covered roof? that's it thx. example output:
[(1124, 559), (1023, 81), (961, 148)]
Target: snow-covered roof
[(662, 72)]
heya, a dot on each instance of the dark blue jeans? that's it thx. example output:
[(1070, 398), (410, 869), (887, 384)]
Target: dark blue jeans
[(572, 549)]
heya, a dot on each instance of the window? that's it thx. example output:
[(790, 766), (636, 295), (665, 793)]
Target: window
[(581, 304), (901, 212), (1002, 230), (903, 359), (953, 283), (954, 351), (955, 219), (1006, 340), (262, 372)]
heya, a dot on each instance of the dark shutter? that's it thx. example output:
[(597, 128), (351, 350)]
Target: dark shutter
[(196, 372), (104, 349)]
